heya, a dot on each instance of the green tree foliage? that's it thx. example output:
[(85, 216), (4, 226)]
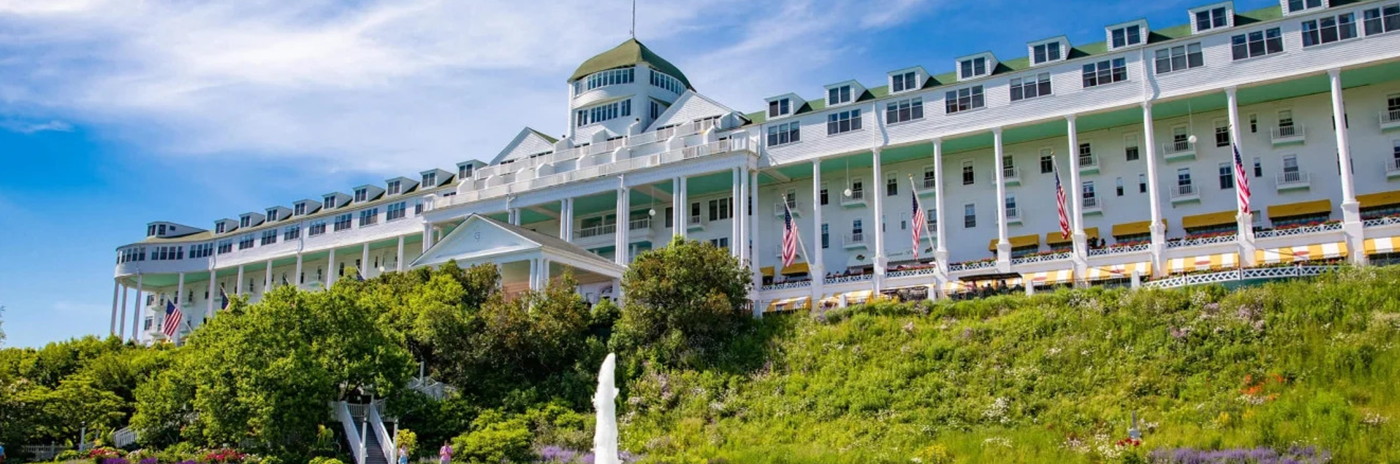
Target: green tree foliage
[(265, 372), (682, 303), (494, 437)]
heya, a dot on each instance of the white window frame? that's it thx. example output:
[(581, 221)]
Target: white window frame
[(900, 75), (1356, 29), (1186, 54), (1288, 10), (840, 94), (780, 102), (988, 62), (1142, 32), (1228, 9), (1037, 80), (1061, 49)]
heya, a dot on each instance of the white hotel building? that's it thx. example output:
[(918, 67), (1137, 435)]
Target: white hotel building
[(1141, 125)]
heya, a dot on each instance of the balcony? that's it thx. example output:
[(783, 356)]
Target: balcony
[(695, 223), (791, 204), (1284, 135), (639, 224), (595, 231), (1179, 150), (1013, 215), (927, 187), (856, 200), (1392, 168), (856, 240), (1011, 175), (1090, 205), (1185, 193), (1293, 180), (1390, 119), (1088, 164)]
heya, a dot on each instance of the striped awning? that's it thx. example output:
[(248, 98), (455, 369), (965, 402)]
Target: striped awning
[(1054, 238), (1119, 271), (1208, 220), (1203, 262), (1050, 277), (790, 304), (1300, 253), (1382, 245)]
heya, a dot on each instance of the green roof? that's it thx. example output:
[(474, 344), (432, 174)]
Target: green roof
[(629, 53), (543, 135)]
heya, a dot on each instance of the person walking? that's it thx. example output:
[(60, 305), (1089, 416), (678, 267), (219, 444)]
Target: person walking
[(2, 453), (445, 453), (403, 455)]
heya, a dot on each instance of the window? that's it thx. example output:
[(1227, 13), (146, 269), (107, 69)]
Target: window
[(857, 188), (1227, 177), (1178, 58), (1130, 147), (225, 246), (904, 110), (969, 216), (1088, 192), (316, 228), (1210, 19), (1300, 5), (857, 229), (1258, 167), (1253, 123), (665, 81), (361, 195), (1257, 43), (823, 195), (1395, 153), (1125, 36), (1086, 154), (779, 107), (219, 228), (1381, 20), (1142, 183), (606, 112), (342, 222), (299, 209), (464, 172), (1118, 186), (843, 122), (1183, 179), (783, 134), (203, 250), (396, 211), (973, 67), (838, 95), (418, 206), (1222, 133), (1105, 72), (393, 187), (1180, 138), (826, 237), (245, 221), (930, 177), (430, 179), (904, 81), (1030, 87), (245, 242), (722, 242), (1008, 166), (1290, 166), (330, 203), (931, 218), (721, 209), (1047, 161), (1011, 211), (1285, 118), (964, 99), (269, 237), (606, 78), (967, 173), (1046, 52), (291, 232), (1329, 29), (891, 185), (369, 217)]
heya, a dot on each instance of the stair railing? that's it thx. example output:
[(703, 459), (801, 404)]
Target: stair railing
[(386, 443), (352, 433)]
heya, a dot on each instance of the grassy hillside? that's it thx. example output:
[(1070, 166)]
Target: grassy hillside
[(1049, 378)]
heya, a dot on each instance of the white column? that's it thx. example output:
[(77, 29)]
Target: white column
[(213, 293), (677, 208), (238, 284), (180, 291), (267, 277), (363, 268), (566, 220), (116, 288), (427, 237), (330, 268), (398, 258), (1076, 208), (817, 266), (745, 216), (136, 309), (515, 216), (534, 274), (300, 280), (735, 208), (1003, 244), (756, 263), (120, 329), (1153, 192), (941, 252), (620, 231), (878, 190), (1351, 209), (1244, 222), (683, 210)]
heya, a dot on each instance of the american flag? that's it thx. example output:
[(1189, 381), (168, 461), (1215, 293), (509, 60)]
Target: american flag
[(173, 318), (789, 236), (1241, 181), (920, 221), (223, 298), (1060, 200)]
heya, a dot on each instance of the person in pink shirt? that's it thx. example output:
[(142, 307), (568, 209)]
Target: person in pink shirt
[(445, 454)]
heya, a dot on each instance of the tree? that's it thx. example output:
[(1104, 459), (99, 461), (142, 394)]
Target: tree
[(682, 302), (2, 327)]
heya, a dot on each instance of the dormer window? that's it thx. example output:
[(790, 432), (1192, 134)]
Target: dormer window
[(1046, 52), (430, 179), (150, 230), (838, 95), (393, 187), (1126, 35), (1212, 18), (972, 67), (271, 215), (330, 203), (779, 107), (465, 172), (904, 81), (299, 209), (361, 194), (1295, 6), (220, 227), (244, 221)]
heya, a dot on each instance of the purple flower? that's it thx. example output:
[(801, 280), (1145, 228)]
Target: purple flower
[(148, 461), (115, 461)]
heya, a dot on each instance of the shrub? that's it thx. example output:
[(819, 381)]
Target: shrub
[(325, 460), (494, 438)]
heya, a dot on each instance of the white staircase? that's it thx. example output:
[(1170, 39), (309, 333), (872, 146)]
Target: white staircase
[(369, 440)]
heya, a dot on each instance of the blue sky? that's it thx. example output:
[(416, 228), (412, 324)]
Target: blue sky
[(115, 113)]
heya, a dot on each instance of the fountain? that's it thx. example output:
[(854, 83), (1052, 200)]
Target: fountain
[(604, 402)]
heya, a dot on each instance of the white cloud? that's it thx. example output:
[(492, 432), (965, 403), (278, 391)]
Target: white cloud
[(26, 127), (379, 85)]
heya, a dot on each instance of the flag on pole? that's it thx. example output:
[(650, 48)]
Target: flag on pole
[(223, 298), (1060, 200), (920, 220), (173, 318), (789, 236), (1241, 181)]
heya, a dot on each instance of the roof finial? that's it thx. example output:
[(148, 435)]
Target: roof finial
[(634, 20)]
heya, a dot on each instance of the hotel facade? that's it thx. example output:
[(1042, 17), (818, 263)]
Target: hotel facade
[(1139, 127)]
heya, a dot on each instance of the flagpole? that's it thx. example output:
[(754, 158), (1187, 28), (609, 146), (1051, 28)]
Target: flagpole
[(915, 190)]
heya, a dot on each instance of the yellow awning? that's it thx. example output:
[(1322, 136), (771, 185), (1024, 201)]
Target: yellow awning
[(767, 271), (1204, 262), (1119, 271), (1054, 238), (955, 286), (1208, 219), (795, 268), (1300, 253), (1302, 208), (1134, 228), (1021, 241), (1381, 245), (790, 304), (1050, 277), (1372, 200)]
